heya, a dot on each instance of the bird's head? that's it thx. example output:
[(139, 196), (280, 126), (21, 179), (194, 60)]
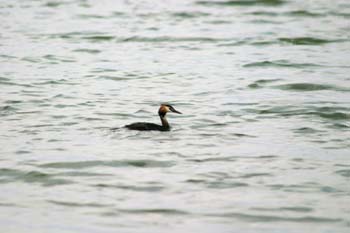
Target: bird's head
[(165, 108)]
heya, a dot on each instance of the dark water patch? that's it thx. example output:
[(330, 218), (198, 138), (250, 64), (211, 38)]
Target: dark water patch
[(21, 152), (59, 96), (207, 135), (296, 13), (171, 39), (343, 172), (241, 103), (195, 181), (99, 38), (136, 188), (83, 35), (277, 218), (225, 185), (297, 209), (56, 82), (203, 145), (155, 211), (306, 41), (203, 125), (28, 112), (118, 13), (329, 189), (112, 213), (332, 109), (249, 41), (204, 93), (263, 13), (43, 178), (309, 87), (340, 126), (12, 175), (189, 15), (111, 163), (105, 70), (68, 123), (54, 59), (342, 165), (90, 118), (341, 14), (229, 113), (7, 110), (37, 93), (7, 57), (76, 204), (90, 51), (39, 126), (121, 115), (54, 4), (56, 140), (232, 3), (9, 172), (297, 188), (252, 175), (284, 110), (67, 35), (8, 83), (217, 175), (213, 159), (90, 103), (303, 13), (8, 205), (4, 79), (116, 78), (307, 130), (13, 101), (65, 106), (280, 63), (31, 59), (262, 82), (333, 115), (29, 132), (92, 16), (219, 21), (242, 135), (264, 21), (266, 157)]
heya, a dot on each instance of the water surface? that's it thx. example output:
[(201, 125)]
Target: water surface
[(263, 143)]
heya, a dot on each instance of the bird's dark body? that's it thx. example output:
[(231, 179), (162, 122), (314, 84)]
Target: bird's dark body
[(143, 126)]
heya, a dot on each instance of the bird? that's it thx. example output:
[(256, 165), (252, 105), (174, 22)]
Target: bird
[(145, 126)]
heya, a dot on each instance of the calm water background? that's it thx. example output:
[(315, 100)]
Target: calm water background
[(263, 143)]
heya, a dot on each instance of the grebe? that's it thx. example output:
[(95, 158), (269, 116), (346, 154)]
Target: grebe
[(163, 110)]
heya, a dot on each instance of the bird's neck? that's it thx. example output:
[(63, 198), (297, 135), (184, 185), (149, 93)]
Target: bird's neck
[(165, 123)]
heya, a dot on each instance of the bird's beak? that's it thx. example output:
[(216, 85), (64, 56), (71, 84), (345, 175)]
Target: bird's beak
[(173, 110)]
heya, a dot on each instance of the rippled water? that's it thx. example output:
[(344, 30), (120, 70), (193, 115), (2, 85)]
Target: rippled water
[(263, 142)]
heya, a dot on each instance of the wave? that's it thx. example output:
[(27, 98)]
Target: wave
[(309, 87), (280, 63), (297, 13), (13, 175), (171, 39), (112, 163), (306, 40), (241, 3), (276, 218), (330, 113)]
